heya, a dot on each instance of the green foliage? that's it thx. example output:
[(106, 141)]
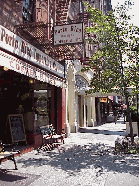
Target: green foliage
[(133, 110), (133, 151), (116, 59)]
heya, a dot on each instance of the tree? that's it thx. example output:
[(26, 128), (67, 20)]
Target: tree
[(116, 58)]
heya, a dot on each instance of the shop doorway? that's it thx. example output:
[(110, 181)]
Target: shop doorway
[(15, 98)]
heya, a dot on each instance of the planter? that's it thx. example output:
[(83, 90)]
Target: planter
[(67, 130), (37, 140), (135, 128), (30, 138)]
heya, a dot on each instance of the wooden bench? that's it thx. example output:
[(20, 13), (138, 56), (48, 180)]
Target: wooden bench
[(7, 154), (59, 136), (51, 137)]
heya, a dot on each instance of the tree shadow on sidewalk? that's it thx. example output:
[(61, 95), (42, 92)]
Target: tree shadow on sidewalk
[(75, 158)]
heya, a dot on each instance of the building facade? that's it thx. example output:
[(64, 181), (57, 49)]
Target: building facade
[(83, 110), (32, 83), (41, 78)]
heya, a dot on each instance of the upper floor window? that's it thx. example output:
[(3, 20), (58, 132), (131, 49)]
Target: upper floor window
[(28, 10), (81, 6)]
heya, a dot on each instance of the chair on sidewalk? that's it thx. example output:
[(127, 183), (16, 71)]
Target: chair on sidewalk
[(4, 155)]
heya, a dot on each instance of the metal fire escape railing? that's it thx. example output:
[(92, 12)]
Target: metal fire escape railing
[(62, 11), (36, 33), (40, 34)]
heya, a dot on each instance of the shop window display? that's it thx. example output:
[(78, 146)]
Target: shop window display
[(42, 108)]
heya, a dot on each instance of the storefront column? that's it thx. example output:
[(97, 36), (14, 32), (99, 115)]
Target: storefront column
[(29, 116), (53, 106), (81, 111), (61, 108), (89, 108), (84, 108), (93, 120), (67, 127), (99, 114), (77, 110), (71, 98)]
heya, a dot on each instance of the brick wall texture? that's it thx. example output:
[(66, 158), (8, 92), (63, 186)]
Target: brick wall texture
[(10, 14)]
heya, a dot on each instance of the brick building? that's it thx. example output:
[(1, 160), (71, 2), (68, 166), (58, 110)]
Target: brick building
[(32, 82), (40, 81)]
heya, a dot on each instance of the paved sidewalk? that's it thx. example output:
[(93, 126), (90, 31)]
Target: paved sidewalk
[(87, 158)]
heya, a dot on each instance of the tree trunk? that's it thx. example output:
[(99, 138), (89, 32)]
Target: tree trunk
[(130, 121)]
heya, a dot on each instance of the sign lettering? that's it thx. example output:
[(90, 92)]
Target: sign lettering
[(18, 46), (68, 34), (22, 67)]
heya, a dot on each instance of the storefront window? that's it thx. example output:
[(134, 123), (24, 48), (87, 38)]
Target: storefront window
[(42, 108)]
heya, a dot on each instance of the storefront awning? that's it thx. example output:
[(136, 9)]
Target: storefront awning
[(25, 68)]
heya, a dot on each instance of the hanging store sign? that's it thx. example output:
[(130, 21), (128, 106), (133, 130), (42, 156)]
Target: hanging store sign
[(111, 98), (103, 99), (68, 34), (20, 47), (22, 67)]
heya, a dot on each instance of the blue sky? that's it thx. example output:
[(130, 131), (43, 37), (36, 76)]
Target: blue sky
[(134, 11)]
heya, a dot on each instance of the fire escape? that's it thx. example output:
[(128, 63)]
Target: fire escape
[(40, 33), (84, 17)]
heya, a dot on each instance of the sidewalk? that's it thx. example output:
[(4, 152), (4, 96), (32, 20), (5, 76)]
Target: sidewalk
[(87, 159)]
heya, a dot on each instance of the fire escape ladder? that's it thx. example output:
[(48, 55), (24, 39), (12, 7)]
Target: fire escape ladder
[(62, 10), (37, 33)]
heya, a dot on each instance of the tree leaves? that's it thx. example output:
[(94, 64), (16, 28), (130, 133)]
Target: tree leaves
[(117, 52)]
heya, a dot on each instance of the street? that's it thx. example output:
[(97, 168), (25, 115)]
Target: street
[(87, 158)]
